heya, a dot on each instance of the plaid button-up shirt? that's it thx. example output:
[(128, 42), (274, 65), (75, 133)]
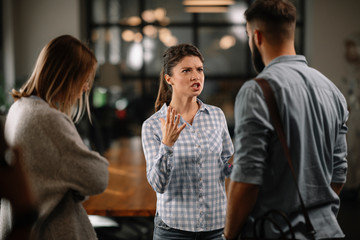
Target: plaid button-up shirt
[(189, 177)]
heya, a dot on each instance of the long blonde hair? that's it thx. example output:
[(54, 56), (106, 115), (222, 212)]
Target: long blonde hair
[(171, 58), (63, 67)]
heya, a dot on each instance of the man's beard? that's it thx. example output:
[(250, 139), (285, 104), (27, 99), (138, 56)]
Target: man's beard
[(256, 59)]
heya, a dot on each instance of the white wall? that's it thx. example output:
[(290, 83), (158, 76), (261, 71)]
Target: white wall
[(8, 47), (328, 23), (36, 22)]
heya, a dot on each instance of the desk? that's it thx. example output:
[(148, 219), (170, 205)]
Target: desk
[(128, 192)]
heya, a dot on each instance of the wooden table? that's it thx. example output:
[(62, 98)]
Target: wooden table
[(128, 192)]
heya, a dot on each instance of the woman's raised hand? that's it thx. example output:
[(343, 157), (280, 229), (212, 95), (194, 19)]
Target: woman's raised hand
[(169, 128)]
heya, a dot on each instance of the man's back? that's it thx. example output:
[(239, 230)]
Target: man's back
[(313, 112)]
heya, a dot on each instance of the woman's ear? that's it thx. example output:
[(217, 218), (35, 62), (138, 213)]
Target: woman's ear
[(168, 79)]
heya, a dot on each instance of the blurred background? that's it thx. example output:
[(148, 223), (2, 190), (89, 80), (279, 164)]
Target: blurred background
[(130, 36)]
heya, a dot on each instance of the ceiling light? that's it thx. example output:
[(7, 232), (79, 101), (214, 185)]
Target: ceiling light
[(208, 2), (207, 6), (206, 9)]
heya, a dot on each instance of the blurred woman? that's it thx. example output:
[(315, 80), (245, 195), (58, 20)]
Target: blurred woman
[(62, 171), (187, 147)]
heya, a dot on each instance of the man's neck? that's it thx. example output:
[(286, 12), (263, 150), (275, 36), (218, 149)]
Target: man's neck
[(271, 52)]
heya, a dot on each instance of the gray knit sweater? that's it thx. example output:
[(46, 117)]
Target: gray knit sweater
[(60, 169)]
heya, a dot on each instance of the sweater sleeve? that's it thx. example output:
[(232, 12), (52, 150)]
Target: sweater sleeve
[(80, 169)]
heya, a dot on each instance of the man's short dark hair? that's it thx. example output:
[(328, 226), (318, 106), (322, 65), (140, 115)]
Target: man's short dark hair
[(277, 18), (276, 11)]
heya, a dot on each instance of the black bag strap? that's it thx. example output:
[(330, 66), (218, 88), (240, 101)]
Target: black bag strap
[(269, 216), (275, 116)]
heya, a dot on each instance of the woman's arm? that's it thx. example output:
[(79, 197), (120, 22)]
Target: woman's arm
[(227, 148), (159, 158), (80, 169)]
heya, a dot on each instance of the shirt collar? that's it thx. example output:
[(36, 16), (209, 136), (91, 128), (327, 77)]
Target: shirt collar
[(287, 58), (203, 108)]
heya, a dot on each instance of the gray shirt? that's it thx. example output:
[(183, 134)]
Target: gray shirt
[(313, 112)]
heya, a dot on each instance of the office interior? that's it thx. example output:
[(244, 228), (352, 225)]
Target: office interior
[(129, 37)]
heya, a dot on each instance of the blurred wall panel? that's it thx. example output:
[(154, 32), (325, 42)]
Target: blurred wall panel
[(36, 22)]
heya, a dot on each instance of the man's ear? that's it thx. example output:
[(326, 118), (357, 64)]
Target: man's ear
[(258, 38)]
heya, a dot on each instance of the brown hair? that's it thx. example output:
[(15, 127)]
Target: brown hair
[(63, 67), (171, 58), (278, 18)]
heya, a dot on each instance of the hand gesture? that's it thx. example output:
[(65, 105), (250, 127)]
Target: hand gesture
[(169, 128)]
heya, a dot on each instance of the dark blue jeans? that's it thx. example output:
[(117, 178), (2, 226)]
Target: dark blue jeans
[(164, 232)]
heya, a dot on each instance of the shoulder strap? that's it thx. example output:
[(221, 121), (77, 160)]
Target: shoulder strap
[(275, 116)]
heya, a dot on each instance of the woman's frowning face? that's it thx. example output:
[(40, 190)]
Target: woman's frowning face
[(187, 77)]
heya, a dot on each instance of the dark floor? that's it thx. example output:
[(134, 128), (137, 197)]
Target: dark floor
[(137, 228), (349, 214), (127, 228)]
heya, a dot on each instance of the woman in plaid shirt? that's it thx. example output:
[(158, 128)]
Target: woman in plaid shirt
[(187, 147)]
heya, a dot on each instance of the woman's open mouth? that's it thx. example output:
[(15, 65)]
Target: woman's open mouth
[(196, 86)]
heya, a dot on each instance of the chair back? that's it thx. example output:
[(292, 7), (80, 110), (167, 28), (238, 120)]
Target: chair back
[(14, 187)]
